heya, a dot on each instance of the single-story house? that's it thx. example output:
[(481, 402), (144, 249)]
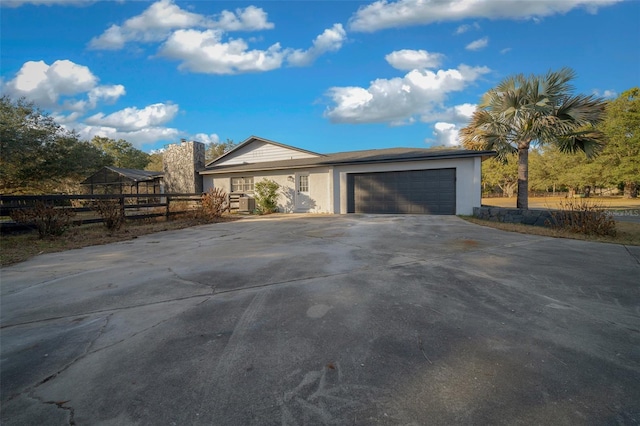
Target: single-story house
[(394, 180), (116, 180)]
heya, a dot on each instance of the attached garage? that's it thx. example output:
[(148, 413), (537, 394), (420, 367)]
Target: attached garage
[(403, 192)]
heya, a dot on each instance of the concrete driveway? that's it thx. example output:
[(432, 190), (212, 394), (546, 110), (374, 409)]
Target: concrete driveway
[(345, 320)]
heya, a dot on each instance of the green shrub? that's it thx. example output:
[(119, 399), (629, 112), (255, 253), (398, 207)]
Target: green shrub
[(50, 221), (266, 193), (214, 203), (111, 212), (583, 217)]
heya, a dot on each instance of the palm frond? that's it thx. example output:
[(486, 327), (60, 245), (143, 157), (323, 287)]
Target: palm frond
[(589, 141), (557, 83), (582, 110)]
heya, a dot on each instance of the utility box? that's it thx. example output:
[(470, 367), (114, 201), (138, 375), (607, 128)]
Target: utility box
[(247, 205)]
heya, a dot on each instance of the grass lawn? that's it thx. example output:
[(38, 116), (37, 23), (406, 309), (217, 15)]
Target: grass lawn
[(610, 203), (16, 248)]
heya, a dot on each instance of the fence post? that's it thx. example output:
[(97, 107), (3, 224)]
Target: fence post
[(121, 203), (167, 207)]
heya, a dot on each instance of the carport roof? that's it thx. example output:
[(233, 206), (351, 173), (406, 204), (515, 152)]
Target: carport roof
[(134, 175), (389, 155)]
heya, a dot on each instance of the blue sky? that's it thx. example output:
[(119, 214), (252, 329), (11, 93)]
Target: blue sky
[(326, 76)]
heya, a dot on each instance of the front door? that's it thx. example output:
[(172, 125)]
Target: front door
[(303, 201)]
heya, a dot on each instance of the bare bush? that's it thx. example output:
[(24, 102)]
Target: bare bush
[(111, 212), (215, 203), (50, 221), (583, 217)]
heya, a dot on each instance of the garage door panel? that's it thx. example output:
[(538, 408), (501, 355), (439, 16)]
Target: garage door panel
[(405, 192)]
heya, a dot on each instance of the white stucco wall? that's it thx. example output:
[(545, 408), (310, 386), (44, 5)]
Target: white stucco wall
[(319, 188)]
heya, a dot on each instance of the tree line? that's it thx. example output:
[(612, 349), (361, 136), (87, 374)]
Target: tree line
[(38, 156)]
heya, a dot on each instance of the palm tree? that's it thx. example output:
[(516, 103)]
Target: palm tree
[(524, 111)]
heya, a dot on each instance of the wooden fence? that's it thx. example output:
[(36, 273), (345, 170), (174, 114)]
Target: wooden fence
[(133, 206)]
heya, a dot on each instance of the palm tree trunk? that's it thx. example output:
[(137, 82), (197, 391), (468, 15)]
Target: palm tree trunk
[(523, 178)]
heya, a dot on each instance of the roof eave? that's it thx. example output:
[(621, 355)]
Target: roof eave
[(482, 154)]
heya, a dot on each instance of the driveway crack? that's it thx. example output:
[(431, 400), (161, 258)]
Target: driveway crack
[(60, 404), (631, 254), (31, 391), (184, 280)]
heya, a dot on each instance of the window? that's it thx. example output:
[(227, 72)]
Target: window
[(303, 185), (242, 184)]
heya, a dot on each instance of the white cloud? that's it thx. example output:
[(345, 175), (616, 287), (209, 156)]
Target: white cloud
[(479, 44), (137, 137), (138, 126), (134, 119), (70, 90), (419, 92), (154, 24), (250, 18), (401, 13), (18, 3), (609, 94), (459, 114), (205, 138), (448, 124), (112, 39), (199, 42), (445, 134), (109, 94), (46, 85), (157, 22), (204, 52), (505, 50), (406, 60), (329, 41), (467, 27)]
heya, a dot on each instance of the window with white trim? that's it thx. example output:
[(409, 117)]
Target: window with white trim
[(242, 184), (303, 184)]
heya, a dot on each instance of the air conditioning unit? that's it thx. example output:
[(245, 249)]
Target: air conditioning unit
[(247, 205)]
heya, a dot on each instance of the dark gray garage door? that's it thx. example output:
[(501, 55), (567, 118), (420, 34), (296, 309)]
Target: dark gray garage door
[(407, 192)]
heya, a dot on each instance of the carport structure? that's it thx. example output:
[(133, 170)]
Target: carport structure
[(116, 180)]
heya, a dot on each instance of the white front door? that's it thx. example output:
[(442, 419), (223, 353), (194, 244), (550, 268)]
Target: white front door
[(303, 201)]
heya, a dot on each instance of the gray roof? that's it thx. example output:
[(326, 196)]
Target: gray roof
[(131, 174), (136, 175), (352, 157)]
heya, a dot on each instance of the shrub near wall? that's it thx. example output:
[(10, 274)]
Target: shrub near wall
[(266, 194), (581, 217)]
